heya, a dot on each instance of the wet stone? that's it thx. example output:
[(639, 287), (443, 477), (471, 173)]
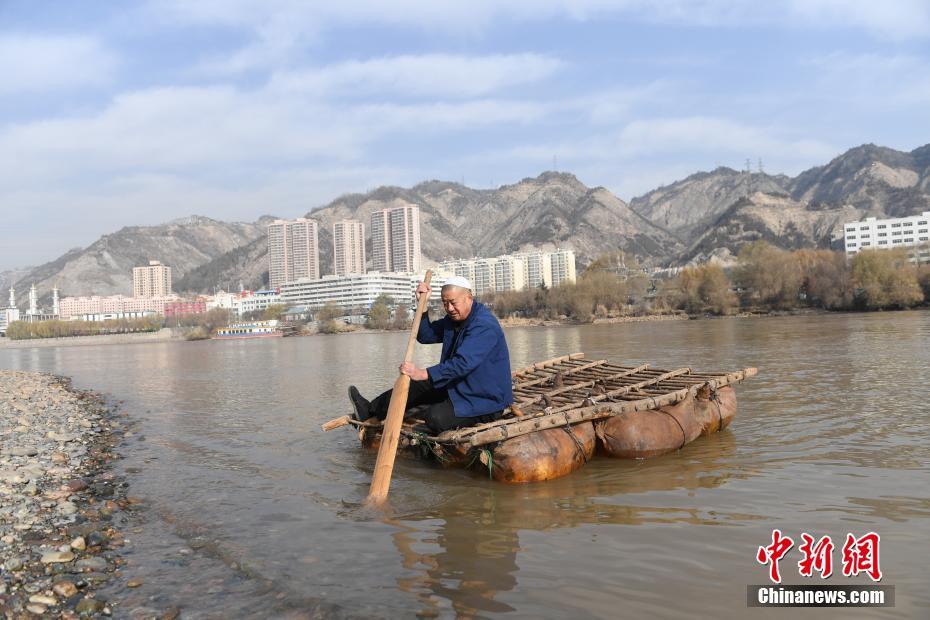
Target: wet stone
[(53, 557), (22, 451), (64, 588), (75, 485), (101, 489), (89, 605), (172, 613), (41, 599), (94, 564), (13, 564), (96, 538)]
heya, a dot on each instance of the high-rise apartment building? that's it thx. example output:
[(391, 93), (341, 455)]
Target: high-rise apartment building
[(395, 239), (151, 281), (293, 251), (509, 274), (562, 263), (348, 247), (537, 268), (381, 241)]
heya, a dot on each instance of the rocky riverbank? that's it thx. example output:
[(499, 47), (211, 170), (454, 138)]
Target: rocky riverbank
[(61, 508)]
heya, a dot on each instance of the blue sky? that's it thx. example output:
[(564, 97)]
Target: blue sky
[(116, 114)]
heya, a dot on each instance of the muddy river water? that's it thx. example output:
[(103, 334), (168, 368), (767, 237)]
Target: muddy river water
[(252, 511)]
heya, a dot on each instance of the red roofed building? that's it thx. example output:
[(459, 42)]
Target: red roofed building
[(185, 307)]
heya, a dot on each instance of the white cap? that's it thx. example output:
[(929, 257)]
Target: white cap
[(458, 281)]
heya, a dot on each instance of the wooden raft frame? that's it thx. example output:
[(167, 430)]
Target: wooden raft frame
[(571, 389)]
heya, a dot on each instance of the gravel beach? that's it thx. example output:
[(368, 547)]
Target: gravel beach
[(62, 510)]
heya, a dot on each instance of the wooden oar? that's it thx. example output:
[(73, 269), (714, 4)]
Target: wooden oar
[(384, 465)]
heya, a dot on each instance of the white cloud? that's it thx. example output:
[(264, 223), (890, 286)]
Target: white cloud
[(294, 19), (643, 154), (714, 135), (32, 64), (873, 79), (414, 76), (894, 19), (217, 131)]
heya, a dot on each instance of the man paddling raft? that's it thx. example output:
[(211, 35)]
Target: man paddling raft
[(471, 384)]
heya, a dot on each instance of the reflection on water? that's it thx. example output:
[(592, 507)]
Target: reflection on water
[(829, 438)]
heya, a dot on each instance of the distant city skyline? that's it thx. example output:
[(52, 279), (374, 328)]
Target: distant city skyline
[(238, 109)]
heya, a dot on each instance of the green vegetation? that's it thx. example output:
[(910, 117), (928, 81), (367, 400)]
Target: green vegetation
[(705, 288), (379, 316), (196, 333), (21, 330), (402, 318), (612, 285), (326, 316), (273, 312), (884, 279), (764, 279), (202, 326)]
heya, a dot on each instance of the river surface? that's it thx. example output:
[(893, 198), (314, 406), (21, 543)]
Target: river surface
[(254, 512)]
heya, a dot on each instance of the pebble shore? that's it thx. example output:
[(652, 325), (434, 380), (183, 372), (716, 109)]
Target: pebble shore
[(61, 507)]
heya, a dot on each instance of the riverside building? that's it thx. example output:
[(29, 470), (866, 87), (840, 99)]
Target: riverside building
[(357, 292), (151, 281), (514, 272), (71, 307), (293, 251), (252, 301), (912, 232), (395, 240), (9, 314), (348, 247)]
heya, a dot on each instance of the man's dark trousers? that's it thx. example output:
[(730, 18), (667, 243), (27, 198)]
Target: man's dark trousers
[(440, 415)]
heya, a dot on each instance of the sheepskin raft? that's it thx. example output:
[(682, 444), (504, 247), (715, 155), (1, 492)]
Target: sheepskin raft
[(568, 408)]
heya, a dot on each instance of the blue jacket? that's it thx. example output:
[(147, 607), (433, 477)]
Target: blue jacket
[(477, 373)]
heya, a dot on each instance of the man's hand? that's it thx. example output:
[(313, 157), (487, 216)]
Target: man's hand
[(422, 288), (417, 374)]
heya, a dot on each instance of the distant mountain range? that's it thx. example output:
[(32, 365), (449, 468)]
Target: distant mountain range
[(706, 215)]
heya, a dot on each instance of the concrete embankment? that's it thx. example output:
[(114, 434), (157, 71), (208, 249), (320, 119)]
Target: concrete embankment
[(60, 505), (163, 335)]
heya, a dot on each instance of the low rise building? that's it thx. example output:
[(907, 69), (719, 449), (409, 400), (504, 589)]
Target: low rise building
[(94, 304), (912, 233), (514, 272), (185, 307), (7, 316), (357, 292), (252, 301), (113, 316)]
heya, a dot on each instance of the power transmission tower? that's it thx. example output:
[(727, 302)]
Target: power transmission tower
[(748, 177)]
